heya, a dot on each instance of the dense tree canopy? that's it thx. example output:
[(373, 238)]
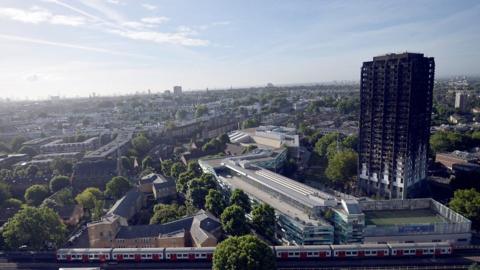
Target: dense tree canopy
[(263, 220), (141, 144), (117, 187), (166, 167), (35, 194), (467, 203), (176, 169), (198, 190), (37, 228), (201, 110), (321, 146), (446, 141), (249, 123), (342, 167), (88, 197), (243, 253), (62, 166), (215, 202), (241, 199), (147, 162), (4, 193), (163, 213), (58, 182), (234, 221)]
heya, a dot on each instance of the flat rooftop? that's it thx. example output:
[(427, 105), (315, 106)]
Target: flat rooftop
[(236, 182), (402, 217)]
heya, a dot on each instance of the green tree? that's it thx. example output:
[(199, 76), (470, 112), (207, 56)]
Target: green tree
[(176, 169), (166, 167), (117, 187), (37, 228), (321, 146), (32, 170), (58, 182), (194, 168), (198, 189), (180, 114), (147, 162), (224, 139), (351, 142), (35, 194), (342, 167), (141, 144), (249, 123), (183, 180), (88, 197), (126, 163), (241, 199), (28, 150), (163, 213), (215, 202), (243, 253), (4, 193), (233, 221), (201, 110), (467, 203), (263, 220), (62, 166)]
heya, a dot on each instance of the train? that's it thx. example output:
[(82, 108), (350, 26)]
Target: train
[(314, 252)]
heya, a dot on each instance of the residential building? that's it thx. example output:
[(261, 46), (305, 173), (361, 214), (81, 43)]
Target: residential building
[(395, 111), (161, 188), (455, 157), (177, 90), (461, 101)]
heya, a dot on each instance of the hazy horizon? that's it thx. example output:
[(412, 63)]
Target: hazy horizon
[(74, 48)]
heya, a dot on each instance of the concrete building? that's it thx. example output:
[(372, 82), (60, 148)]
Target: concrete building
[(461, 101), (395, 111), (177, 90), (308, 216), (59, 146)]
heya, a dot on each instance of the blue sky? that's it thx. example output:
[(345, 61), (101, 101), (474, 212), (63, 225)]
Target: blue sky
[(76, 47)]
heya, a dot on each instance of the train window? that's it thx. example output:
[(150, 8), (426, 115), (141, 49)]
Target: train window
[(144, 256), (348, 253), (290, 253), (296, 253), (367, 252)]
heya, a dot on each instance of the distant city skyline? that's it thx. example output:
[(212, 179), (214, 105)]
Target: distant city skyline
[(75, 48)]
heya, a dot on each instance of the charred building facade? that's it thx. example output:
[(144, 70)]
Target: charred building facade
[(396, 106)]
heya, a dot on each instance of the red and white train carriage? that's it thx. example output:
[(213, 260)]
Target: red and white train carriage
[(420, 249), (137, 254), (360, 250), (302, 252), (200, 253), (84, 254)]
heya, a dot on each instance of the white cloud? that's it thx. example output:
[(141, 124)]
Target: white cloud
[(67, 20), (163, 38), (155, 20), (38, 15), (64, 45), (115, 2), (149, 6)]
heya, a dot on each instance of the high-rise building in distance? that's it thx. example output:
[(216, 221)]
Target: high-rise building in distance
[(177, 90), (395, 111), (461, 101)]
